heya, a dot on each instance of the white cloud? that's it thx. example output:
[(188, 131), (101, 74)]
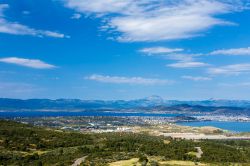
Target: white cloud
[(235, 69), (169, 53), (128, 80), (159, 50), (187, 64), (198, 78), (233, 51), (32, 63), (155, 20), (15, 28), (184, 60), (76, 16), (50, 34), (182, 57)]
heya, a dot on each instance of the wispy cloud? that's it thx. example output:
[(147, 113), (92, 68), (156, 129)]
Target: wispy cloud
[(128, 80), (187, 65), (25, 12), (2, 8), (159, 50), (235, 69), (76, 16), (197, 78), (171, 54), (15, 28), (32, 63), (233, 51), (154, 20), (182, 57)]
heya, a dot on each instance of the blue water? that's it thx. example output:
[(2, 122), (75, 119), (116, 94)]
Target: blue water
[(231, 126), (85, 113)]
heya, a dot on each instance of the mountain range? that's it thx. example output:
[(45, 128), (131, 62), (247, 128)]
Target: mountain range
[(149, 102)]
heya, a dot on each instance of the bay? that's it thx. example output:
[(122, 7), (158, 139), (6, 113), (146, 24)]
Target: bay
[(226, 125)]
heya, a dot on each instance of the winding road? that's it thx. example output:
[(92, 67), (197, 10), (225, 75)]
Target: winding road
[(79, 161)]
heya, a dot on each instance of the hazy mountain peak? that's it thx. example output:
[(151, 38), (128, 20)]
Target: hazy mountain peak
[(154, 98)]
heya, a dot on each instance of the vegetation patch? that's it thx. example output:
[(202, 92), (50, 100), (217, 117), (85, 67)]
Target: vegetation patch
[(131, 162)]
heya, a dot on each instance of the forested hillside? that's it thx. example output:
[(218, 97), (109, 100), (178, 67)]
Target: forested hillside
[(21, 144)]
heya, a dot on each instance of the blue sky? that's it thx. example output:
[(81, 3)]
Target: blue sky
[(125, 49)]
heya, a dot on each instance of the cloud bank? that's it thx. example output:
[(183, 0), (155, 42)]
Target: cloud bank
[(127, 80)]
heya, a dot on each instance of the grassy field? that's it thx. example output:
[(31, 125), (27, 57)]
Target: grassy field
[(135, 162)]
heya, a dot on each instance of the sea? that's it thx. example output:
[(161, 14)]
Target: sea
[(226, 125)]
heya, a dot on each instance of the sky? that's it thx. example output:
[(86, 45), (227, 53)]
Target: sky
[(125, 49)]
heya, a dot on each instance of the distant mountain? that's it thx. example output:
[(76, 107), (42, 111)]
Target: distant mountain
[(149, 102), (198, 109), (214, 103)]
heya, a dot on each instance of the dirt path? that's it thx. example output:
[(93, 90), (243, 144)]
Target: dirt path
[(199, 152), (79, 161)]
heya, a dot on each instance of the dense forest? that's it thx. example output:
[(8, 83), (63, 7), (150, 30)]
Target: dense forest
[(22, 144)]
